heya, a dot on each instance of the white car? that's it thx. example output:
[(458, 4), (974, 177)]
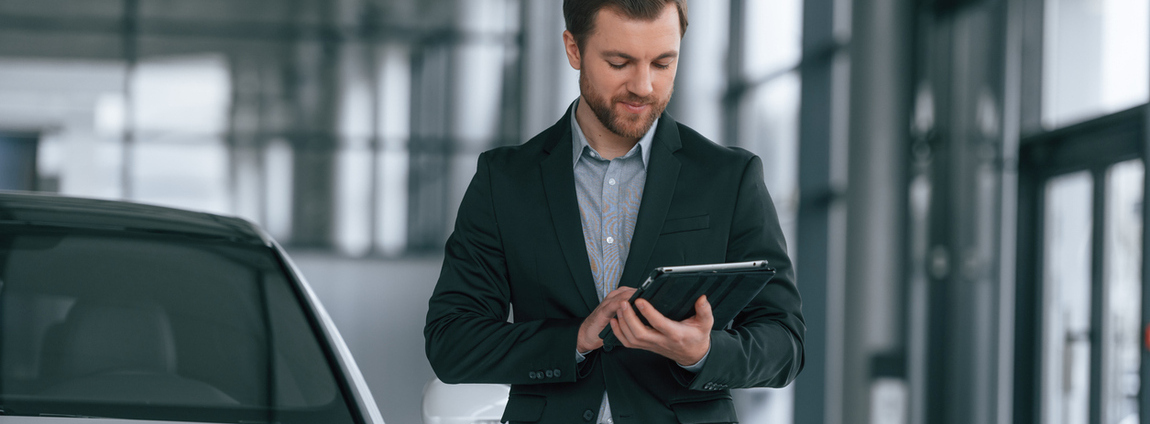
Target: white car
[(114, 312), (464, 403)]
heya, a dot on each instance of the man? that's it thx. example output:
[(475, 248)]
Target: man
[(560, 229)]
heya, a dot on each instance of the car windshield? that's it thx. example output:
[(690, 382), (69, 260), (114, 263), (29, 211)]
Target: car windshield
[(160, 327)]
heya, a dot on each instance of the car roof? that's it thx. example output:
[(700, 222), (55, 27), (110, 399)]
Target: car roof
[(49, 210)]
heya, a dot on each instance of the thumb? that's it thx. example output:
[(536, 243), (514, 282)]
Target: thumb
[(703, 312)]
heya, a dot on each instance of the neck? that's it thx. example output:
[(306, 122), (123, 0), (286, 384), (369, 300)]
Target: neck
[(608, 144)]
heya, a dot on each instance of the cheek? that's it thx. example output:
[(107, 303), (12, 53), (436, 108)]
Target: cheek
[(665, 84), (606, 81)]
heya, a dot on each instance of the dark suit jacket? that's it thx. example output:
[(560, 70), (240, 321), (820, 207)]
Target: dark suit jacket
[(518, 250)]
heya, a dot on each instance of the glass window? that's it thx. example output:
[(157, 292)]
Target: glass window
[(1066, 299), (1096, 58), (1123, 295), (768, 108), (182, 172), (179, 111), (770, 129), (774, 33), (395, 128), (156, 327)]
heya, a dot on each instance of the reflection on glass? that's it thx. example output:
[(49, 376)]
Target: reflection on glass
[(1095, 58), (1066, 300), (1123, 277)]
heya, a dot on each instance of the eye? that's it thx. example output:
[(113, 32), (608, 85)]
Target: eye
[(662, 65), (617, 66)]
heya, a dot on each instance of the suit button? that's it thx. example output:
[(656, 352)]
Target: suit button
[(558, 373), (531, 375), (550, 373), (588, 415)]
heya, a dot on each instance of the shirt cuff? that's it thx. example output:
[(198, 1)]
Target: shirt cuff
[(696, 367), (582, 356)]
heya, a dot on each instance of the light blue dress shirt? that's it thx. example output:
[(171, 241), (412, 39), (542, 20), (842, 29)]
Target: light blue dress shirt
[(609, 194)]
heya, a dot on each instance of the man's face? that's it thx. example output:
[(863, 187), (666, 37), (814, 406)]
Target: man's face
[(627, 69)]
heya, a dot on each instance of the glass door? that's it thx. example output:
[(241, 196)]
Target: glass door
[(1080, 308)]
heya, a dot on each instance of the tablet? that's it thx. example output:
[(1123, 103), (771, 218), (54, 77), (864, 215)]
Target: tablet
[(672, 290)]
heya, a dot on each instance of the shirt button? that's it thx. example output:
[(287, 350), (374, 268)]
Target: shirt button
[(588, 415), (610, 240), (611, 181)]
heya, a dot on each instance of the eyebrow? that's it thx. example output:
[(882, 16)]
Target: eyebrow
[(621, 55)]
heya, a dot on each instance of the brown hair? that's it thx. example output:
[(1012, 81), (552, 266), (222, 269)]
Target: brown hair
[(580, 14)]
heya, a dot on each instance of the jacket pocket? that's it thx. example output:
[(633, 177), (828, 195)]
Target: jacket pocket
[(678, 225), (715, 410), (524, 408)]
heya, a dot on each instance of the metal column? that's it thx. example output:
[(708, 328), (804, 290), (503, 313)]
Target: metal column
[(814, 401)]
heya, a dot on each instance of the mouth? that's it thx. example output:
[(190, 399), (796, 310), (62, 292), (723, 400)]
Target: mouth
[(636, 108)]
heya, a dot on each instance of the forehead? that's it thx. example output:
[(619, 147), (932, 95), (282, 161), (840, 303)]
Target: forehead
[(617, 32)]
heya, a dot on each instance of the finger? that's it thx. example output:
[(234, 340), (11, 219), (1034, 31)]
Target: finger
[(614, 301), (617, 328), (602, 314), (625, 292), (622, 331), (610, 305), (633, 327), (654, 317), (703, 311)]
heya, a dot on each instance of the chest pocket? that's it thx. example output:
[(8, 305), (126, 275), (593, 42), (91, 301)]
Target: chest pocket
[(692, 223)]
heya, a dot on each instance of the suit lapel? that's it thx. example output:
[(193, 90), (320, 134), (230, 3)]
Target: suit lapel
[(662, 176), (559, 186)]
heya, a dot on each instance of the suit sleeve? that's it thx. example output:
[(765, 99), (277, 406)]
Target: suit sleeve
[(467, 336), (764, 345)]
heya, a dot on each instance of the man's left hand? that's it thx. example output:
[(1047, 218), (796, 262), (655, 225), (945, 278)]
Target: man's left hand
[(685, 342)]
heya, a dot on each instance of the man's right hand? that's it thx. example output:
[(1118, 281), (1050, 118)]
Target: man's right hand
[(595, 323)]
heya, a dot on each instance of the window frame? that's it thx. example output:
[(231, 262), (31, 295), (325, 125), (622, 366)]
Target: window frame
[(1092, 146)]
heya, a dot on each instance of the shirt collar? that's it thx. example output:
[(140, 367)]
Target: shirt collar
[(579, 140)]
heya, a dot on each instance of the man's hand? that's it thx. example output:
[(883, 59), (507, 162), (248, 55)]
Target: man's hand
[(595, 323), (685, 342)]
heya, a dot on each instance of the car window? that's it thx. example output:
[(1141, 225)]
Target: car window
[(159, 326)]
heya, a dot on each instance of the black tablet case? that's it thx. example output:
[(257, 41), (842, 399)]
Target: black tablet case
[(674, 295)]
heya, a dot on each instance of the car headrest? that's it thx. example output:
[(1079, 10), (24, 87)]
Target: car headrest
[(104, 337)]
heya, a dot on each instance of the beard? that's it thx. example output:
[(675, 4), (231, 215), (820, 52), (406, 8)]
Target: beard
[(623, 124)]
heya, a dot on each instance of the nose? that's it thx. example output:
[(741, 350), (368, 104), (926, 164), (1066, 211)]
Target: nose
[(640, 83)]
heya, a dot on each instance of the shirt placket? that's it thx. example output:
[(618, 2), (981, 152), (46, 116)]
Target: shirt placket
[(612, 223)]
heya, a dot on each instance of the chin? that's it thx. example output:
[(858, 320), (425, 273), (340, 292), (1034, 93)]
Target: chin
[(638, 125)]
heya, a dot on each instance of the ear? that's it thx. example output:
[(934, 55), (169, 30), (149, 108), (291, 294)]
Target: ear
[(572, 49)]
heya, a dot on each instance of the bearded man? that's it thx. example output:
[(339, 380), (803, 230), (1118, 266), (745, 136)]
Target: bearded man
[(563, 227)]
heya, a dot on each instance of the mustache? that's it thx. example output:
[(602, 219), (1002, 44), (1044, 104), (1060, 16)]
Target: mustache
[(634, 99)]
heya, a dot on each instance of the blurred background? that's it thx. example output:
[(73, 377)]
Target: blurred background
[(961, 182)]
